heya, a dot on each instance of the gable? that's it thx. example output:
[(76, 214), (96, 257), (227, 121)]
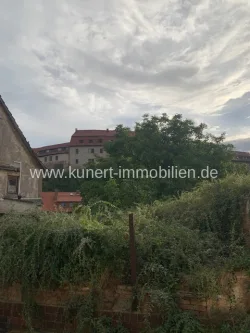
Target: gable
[(5, 113)]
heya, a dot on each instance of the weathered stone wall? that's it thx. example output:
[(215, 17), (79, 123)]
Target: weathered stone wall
[(235, 295), (50, 309), (11, 150), (18, 206), (117, 304)]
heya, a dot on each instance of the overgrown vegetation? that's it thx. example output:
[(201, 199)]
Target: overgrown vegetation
[(192, 238)]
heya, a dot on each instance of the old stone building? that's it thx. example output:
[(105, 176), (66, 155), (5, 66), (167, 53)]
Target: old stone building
[(85, 146), (54, 156), (18, 190)]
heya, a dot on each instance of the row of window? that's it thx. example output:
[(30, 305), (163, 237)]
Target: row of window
[(90, 150), (64, 204), (89, 160), (50, 158), (91, 141), (64, 149), (52, 150), (243, 157)]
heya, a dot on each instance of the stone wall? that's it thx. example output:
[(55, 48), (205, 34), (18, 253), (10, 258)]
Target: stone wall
[(117, 304), (235, 295), (50, 310), (18, 206)]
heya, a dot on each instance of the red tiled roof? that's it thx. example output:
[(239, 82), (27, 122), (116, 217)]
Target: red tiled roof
[(51, 199), (94, 133), (48, 201), (242, 153), (59, 145), (68, 197), (91, 137)]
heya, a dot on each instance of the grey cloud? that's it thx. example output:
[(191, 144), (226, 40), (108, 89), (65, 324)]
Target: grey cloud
[(93, 64), (234, 119), (241, 144), (171, 76), (236, 112)]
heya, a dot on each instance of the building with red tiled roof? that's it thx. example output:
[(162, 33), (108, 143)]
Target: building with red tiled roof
[(242, 157), (51, 147), (54, 156), (87, 145), (84, 146), (60, 201)]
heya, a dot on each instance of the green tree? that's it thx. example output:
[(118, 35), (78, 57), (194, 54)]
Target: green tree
[(64, 184), (158, 142)]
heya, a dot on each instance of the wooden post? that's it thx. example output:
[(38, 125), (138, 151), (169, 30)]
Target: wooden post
[(246, 223), (132, 249)]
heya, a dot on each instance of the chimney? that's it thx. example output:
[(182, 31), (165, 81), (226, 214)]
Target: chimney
[(107, 130), (78, 192), (75, 129)]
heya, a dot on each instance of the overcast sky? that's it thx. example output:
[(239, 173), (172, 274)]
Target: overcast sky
[(93, 64)]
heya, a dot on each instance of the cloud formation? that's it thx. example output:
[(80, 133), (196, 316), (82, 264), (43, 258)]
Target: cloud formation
[(93, 64)]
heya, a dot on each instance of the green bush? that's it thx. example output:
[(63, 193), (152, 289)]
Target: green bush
[(215, 207)]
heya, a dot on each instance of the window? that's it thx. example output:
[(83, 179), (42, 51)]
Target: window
[(91, 150), (101, 150), (13, 184), (56, 158), (47, 151), (90, 141), (45, 159), (63, 204), (77, 151), (50, 158), (81, 141), (59, 149), (100, 140), (71, 204), (91, 160), (77, 161)]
